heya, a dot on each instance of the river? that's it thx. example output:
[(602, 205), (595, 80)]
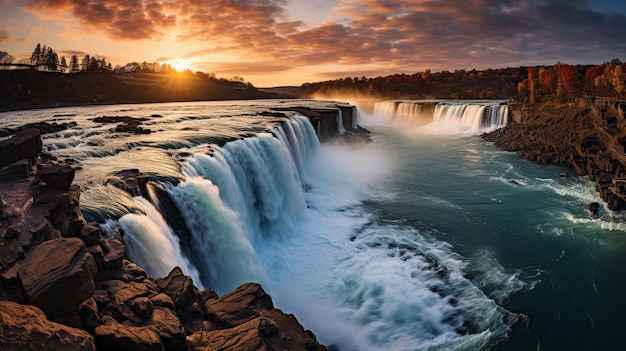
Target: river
[(427, 238)]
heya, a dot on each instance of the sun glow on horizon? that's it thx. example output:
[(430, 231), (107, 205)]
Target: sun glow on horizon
[(181, 65)]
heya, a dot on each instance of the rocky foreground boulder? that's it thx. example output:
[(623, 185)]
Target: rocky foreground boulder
[(57, 276), (64, 285), (24, 327)]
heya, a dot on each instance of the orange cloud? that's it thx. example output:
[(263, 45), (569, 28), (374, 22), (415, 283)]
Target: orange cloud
[(396, 35), (119, 19)]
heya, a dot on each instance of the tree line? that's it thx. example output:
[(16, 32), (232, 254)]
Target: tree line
[(45, 58), (563, 82), (558, 83)]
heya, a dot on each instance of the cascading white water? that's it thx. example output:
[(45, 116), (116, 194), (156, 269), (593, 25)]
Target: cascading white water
[(462, 117), (355, 118), (403, 113), (469, 117), (248, 191), (340, 128), (152, 244)]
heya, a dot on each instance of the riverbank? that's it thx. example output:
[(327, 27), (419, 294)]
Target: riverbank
[(587, 136)]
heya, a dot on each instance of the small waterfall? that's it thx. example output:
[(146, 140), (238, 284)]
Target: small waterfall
[(404, 113), (449, 117), (469, 117), (340, 127), (355, 118), (220, 247)]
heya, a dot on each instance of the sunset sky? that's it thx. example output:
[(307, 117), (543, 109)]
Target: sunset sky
[(289, 42)]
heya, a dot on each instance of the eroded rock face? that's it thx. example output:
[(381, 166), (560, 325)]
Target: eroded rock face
[(185, 295), (27, 328), (245, 319), (57, 177), (587, 138), (114, 336), (58, 276), (238, 306), (24, 145)]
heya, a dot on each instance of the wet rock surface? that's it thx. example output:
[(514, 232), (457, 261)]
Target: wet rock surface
[(127, 124)]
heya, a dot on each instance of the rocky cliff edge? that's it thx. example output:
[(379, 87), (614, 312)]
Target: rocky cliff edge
[(66, 286), (586, 135)]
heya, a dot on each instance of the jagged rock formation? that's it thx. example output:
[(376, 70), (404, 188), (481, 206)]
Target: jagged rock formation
[(589, 137), (24, 327), (89, 296)]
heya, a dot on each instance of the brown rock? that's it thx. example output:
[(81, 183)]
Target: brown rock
[(247, 320), (17, 170), (238, 306), (10, 286), (58, 275), (24, 145), (114, 253), (57, 177), (12, 233), (98, 255), (166, 324), (260, 333), (163, 300), (248, 336), (185, 295), (90, 233), (128, 180), (114, 336), (88, 313), (26, 328), (143, 307), (122, 294)]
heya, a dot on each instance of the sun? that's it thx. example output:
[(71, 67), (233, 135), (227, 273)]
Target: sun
[(181, 65)]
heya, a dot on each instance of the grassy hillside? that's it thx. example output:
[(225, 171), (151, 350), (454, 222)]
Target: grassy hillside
[(33, 89)]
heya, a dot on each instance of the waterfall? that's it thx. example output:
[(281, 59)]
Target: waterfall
[(469, 117), (447, 117), (151, 243), (355, 117), (248, 192), (404, 113), (340, 128)]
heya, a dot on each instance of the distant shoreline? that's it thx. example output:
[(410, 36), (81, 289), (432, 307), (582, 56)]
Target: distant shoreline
[(33, 90)]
